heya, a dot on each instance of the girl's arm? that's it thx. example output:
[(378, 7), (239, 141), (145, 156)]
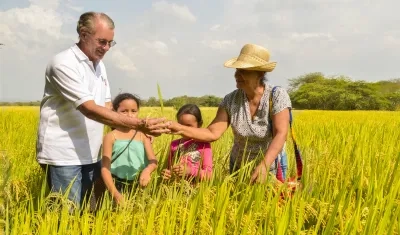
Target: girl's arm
[(151, 157), (166, 172), (205, 171), (108, 142), (213, 132), (145, 176)]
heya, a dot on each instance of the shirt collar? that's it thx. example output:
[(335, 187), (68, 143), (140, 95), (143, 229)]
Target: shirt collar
[(79, 53)]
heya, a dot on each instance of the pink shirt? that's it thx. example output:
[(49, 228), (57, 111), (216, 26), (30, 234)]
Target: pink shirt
[(196, 155)]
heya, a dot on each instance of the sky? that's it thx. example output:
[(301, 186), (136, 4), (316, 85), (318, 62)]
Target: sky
[(182, 45)]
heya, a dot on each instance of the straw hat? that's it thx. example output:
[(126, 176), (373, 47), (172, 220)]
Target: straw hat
[(252, 57)]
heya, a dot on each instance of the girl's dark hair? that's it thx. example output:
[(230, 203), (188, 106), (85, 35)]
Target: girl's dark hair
[(124, 96), (191, 109)]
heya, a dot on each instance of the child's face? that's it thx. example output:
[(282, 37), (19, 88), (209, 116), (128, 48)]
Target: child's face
[(128, 107), (188, 120)]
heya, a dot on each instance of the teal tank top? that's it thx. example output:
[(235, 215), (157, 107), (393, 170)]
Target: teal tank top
[(131, 161)]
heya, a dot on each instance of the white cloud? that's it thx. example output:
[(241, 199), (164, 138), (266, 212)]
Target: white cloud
[(215, 27), (158, 46), (304, 36), (122, 61), (181, 12), (49, 4), (219, 44), (28, 25), (75, 8), (174, 40), (392, 39)]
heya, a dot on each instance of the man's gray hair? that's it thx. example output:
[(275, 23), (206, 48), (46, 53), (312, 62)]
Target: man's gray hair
[(87, 21)]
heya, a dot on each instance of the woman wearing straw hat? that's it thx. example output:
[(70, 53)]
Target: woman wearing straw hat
[(246, 110)]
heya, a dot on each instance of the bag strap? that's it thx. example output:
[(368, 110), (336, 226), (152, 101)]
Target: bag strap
[(299, 160), (119, 154)]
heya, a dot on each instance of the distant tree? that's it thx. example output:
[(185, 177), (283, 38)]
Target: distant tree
[(151, 102), (315, 91)]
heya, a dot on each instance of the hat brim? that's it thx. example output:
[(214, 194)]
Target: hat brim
[(234, 63)]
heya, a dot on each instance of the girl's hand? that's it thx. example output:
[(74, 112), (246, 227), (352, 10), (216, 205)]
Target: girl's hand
[(119, 199), (166, 174), (145, 177), (181, 169)]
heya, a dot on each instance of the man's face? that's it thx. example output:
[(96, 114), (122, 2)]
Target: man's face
[(98, 43)]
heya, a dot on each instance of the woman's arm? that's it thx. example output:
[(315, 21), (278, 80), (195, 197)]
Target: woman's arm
[(106, 166), (280, 130), (212, 133)]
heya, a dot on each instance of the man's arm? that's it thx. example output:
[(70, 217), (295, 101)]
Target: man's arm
[(67, 81), (108, 117)]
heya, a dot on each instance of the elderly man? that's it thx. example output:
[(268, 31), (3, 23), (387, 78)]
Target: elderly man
[(76, 105)]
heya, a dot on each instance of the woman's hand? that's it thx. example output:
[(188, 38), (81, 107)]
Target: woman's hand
[(145, 177), (181, 169), (174, 127), (260, 173), (166, 174)]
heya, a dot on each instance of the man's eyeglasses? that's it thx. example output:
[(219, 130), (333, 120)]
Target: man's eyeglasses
[(104, 42)]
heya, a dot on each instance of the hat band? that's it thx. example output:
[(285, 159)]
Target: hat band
[(256, 61)]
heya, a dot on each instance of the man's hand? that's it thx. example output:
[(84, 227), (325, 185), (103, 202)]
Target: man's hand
[(154, 126)]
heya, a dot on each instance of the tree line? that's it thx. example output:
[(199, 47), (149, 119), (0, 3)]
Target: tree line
[(309, 91), (316, 91), (203, 101)]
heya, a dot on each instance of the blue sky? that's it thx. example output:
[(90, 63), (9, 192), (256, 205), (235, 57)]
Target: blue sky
[(182, 45)]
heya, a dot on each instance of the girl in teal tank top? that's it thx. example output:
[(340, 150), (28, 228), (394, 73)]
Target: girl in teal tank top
[(127, 153)]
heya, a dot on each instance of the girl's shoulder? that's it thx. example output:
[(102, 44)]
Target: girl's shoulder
[(140, 136), (111, 135)]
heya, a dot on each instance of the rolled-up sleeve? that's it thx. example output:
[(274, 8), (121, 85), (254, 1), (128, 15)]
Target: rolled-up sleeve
[(69, 83)]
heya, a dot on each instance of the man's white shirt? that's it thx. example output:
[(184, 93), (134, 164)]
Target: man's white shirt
[(65, 135)]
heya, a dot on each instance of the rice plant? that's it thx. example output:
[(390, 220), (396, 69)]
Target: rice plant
[(350, 185)]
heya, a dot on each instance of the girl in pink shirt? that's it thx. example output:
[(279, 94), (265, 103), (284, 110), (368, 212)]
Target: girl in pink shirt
[(188, 157)]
